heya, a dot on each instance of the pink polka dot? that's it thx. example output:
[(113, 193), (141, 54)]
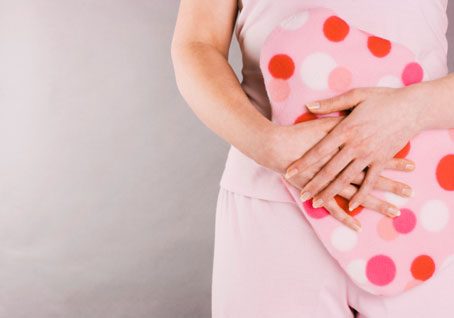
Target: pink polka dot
[(451, 133), (278, 89), (340, 79), (386, 229), (413, 73), (405, 222), (380, 270), (316, 213)]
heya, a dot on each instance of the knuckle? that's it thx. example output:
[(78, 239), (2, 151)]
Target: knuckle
[(353, 93), (328, 172)]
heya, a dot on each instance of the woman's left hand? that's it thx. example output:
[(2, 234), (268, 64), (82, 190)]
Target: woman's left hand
[(381, 123)]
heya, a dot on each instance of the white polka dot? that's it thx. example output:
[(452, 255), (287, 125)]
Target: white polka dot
[(395, 199), (344, 238), (390, 81), (315, 70), (357, 270), (434, 215), (295, 21), (447, 262)]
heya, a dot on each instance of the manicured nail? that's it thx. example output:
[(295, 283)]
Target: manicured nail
[(352, 206), (312, 106), (306, 195), (357, 227), (409, 166), (353, 224), (392, 211), (318, 203), (407, 191), (291, 173)]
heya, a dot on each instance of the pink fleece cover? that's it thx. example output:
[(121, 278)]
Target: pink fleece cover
[(315, 54)]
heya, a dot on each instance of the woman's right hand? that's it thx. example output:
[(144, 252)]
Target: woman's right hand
[(285, 144)]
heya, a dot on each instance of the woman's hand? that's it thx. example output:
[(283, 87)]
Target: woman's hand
[(287, 143), (382, 122)]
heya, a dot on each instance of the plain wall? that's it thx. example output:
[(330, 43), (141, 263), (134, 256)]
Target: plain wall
[(108, 182)]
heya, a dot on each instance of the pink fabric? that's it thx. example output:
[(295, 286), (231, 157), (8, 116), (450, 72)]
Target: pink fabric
[(269, 263), (418, 24), (316, 54)]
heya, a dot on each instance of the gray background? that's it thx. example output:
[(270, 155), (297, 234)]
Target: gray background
[(108, 181)]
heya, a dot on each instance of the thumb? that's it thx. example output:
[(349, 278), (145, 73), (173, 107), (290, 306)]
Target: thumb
[(337, 103)]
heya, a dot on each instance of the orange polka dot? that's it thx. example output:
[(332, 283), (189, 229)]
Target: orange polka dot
[(445, 172), (335, 29), (422, 267), (305, 117), (378, 46), (403, 152), (281, 66), (343, 203)]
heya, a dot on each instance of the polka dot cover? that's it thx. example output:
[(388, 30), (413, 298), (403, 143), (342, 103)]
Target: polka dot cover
[(316, 54)]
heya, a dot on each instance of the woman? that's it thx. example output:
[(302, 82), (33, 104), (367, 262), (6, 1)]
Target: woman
[(268, 261)]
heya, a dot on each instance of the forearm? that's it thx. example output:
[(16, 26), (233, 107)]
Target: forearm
[(438, 98), (212, 90)]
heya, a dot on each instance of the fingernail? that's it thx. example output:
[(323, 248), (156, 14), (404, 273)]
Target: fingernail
[(352, 206), (318, 203), (357, 227), (306, 195), (407, 191), (291, 173), (392, 211), (409, 166), (312, 106), (354, 224)]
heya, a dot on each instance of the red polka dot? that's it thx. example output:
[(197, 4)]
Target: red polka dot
[(281, 66), (316, 213), (405, 222), (403, 152), (380, 270), (445, 172), (422, 267), (378, 46), (335, 29), (305, 117), (413, 73), (343, 203)]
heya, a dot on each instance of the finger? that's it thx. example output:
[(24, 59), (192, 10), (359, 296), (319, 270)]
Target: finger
[(326, 175), (371, 202), (386, 184), (389, 185), (341, 181), (339, 214), (327, 145), (372, 174), (400, 164), (302, 178), (340, 102), (325, 124), (359, 178)]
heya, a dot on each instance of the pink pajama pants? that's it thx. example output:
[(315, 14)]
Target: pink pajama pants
[(268, 263)]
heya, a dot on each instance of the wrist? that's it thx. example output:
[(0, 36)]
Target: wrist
[(422, 102), (436, 96), (265, 143)]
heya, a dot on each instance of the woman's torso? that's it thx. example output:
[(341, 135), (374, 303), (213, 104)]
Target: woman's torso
[(419, 24)]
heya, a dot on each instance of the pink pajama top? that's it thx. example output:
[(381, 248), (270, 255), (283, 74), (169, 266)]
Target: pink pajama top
[(418, 24)]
